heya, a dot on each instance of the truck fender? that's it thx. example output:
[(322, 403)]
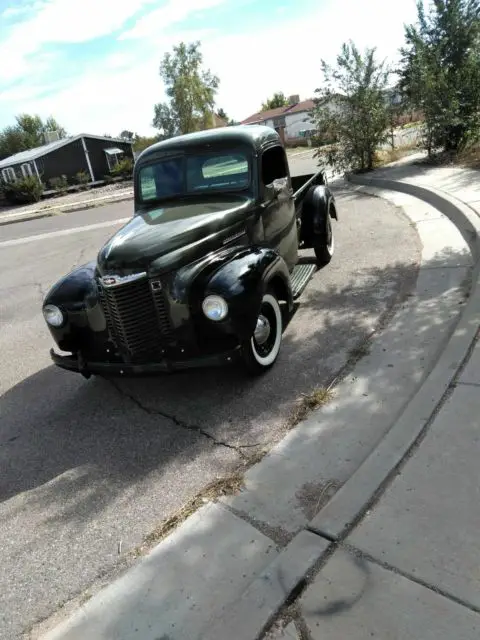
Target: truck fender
[(242, 281), (318, 201), (76, 295), (73, 288)]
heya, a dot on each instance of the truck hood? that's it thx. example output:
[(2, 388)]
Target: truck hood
[(179, 230)]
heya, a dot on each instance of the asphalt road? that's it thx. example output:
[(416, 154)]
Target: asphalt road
[(89, 467)]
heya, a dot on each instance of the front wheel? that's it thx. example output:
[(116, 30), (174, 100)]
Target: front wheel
[(324, 245), (261, 350)]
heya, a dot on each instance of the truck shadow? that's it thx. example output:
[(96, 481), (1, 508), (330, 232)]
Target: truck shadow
[(95, 438)]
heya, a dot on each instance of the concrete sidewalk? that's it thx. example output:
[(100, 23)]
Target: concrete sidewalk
[(393, 552), (410, 569)]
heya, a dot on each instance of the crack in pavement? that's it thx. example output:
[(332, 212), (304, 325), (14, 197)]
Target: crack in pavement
[(180, 423)]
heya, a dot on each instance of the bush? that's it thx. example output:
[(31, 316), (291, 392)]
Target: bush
[(24, 191), (82, 178), (123, 168), (60, 184), (108, 179)]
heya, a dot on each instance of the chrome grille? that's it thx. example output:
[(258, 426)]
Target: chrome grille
[(137, 318)]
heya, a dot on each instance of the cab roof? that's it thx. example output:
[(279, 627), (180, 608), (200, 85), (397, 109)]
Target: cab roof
[(256, 136)]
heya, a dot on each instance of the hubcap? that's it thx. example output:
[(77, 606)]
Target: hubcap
[(262, 330)]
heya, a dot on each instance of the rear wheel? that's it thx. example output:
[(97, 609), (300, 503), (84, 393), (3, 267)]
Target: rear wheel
[(324, 245), (261, 350)]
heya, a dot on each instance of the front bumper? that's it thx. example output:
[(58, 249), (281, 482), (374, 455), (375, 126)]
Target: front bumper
[(87, 368)]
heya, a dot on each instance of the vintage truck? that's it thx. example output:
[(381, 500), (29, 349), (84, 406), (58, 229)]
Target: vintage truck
[(207, 270)]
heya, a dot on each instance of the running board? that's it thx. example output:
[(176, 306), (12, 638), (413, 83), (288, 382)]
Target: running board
[(301, 275)]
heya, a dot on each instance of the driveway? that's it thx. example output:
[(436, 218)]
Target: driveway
[(89, 468)]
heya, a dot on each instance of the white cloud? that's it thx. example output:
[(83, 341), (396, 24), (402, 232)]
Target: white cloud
[(119, 93), (286, 57), (62, 21), (174, 11)]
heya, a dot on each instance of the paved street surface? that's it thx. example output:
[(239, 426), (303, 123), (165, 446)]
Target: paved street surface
[(89, 468)]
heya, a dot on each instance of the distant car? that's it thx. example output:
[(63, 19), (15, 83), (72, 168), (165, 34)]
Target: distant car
[(207, 270)]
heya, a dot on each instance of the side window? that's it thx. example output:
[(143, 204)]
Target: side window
[(274, 165)]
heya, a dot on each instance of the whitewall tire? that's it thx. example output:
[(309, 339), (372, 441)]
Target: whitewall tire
[(261, 350)]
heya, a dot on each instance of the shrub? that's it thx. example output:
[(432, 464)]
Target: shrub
[(23, 191), (108, 179), (82, 178), (60, 184), (123, 168)]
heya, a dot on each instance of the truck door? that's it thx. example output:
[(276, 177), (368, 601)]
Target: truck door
[(279, 220)]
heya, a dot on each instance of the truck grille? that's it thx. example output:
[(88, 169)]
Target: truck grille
[(137, 318)]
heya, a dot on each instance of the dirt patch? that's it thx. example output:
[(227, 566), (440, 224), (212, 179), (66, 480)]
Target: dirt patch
[(313, 496)]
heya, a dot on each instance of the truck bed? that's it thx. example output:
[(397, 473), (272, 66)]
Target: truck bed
[(301, 185)]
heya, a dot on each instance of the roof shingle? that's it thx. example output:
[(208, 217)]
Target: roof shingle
[(261, 116)]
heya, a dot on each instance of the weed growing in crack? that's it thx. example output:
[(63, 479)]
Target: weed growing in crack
[(307, 403), (214, 490)]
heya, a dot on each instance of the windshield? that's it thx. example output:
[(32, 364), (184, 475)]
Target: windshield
[(194, 174)]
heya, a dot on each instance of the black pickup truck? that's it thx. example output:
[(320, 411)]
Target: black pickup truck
[(207, 270)]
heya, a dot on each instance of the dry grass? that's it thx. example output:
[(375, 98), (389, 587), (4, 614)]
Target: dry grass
[(307, 403), (470, 157), (386, 156), (219, 487)]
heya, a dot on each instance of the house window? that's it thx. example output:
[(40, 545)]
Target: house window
[(27, 169), (8, 174), (114, 155)]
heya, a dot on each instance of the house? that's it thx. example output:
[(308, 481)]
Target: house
[(94, 155), (290, 122)]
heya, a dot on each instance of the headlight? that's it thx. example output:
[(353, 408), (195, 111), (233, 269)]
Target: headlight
[(215, 308), (53, 315)]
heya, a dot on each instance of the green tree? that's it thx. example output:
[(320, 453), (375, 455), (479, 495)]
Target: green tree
[(277, 100), (127, 135), (440, 72), (27, 133), (351, 109), (221, 114), (142, 142), (190, 91)]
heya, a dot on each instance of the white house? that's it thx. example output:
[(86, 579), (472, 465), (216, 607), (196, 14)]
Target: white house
[(289, 121), (293, 121)]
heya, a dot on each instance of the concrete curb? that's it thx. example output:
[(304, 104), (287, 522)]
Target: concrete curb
[(351, 502), (38, 214)]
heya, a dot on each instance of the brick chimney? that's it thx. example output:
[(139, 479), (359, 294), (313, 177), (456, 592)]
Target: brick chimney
[(293, 100)]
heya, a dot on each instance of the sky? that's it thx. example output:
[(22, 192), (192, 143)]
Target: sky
[(93, 64)]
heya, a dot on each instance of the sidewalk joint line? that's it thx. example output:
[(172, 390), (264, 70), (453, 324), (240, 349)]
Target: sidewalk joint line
[(404, 574), (322, 534)]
